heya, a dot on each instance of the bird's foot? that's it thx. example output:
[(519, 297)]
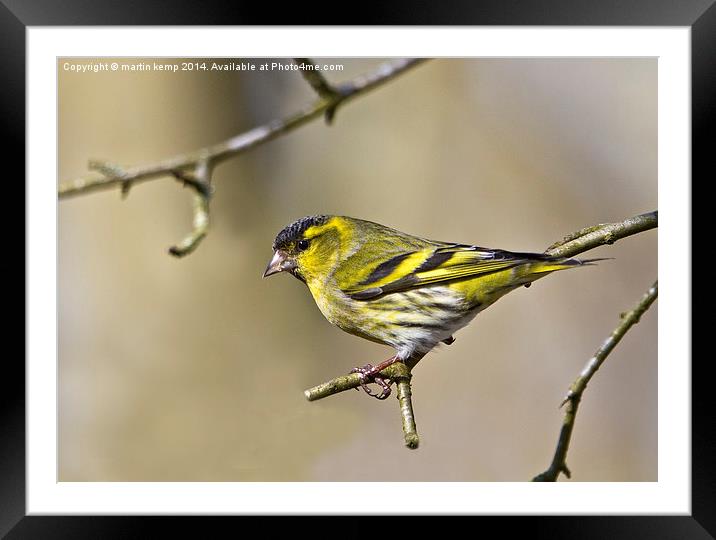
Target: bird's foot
[(371, 374)]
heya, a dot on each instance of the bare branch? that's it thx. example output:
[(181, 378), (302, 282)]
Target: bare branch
[(111, 170), (410, 431), (201, 182), (399, 372), (240, 143), (574, 395), (323, 88), (192, 181), (314, 77), (352, 380), (604, 233)]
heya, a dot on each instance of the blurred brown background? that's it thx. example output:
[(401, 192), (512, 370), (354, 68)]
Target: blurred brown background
[(194, 369)]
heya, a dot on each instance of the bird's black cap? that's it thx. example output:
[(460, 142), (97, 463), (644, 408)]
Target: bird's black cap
[(295, 230)]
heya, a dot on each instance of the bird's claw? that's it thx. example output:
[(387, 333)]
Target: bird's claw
[(369, 375)]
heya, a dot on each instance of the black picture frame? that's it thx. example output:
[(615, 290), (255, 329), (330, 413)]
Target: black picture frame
[(16, 15)]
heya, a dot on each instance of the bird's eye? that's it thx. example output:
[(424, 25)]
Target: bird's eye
[(302, 245)]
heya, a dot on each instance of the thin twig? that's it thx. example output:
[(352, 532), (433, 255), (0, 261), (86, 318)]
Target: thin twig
[(201, 182), (190, 179), (323, 88), (352, 380), (404, 394), (242, 142), (573, 397), (111, 170), (399, 372), (311, 72), (602, 234)]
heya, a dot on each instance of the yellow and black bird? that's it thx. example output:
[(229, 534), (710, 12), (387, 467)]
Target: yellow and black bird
[(397, 289)]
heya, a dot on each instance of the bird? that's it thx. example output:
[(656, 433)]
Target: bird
[(397, 289)]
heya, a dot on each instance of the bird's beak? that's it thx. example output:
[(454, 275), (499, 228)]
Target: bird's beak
[(279, 263)]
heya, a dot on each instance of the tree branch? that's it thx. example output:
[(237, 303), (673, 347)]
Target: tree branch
[(240, 143), (201, 182), (399, 372), (310, 72), (572, 244), (352, 380), (410, 430), (323, 88), (329, 99), (629, 319), (599, 235)]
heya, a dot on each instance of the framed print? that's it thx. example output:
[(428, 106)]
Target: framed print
[(165, 376)]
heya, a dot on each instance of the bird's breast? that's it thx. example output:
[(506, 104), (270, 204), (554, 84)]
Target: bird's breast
[(409, 320)]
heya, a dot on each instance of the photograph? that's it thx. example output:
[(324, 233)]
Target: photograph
[(330, 269)]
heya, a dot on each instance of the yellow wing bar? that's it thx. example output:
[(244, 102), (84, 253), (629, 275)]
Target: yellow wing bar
[(436, 266)]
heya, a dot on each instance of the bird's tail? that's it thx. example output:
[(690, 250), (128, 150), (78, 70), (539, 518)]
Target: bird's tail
[(552, 264)]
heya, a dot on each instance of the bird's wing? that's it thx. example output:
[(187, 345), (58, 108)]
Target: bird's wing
[(431, 266)]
